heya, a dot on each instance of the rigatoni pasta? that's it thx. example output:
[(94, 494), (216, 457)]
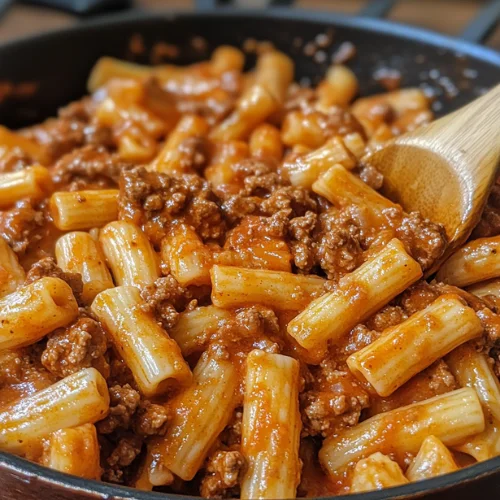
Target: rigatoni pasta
[(75, 400), (78, 252), (376, 472), (406, 349), (271, 421), (188, 259), (433, 459), (32, 311), (192, 328), (306, 169), (84, 209), (254, 107), (237, 286), (199, 415), (153, 357), (74, 451), (12, 274), (32, 182), (452, 417), (129, 254), (479, 260), (472, 369), (357, 296)]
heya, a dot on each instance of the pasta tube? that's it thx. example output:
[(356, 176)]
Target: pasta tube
[(358, 295), (271, 426), (188, 259), (75, 451), (478, 260), (78, 252), (200, 414), (237, 286), (485, 288), (451, 417), (74, 210), (472, 369), (226, 58), (338, 88), (192, 328), (376, 473), (342, 188), (305, 170), (173, 157), (154, 359), (12, 274), (265, 142), (78, 399), (31, 312), (253, 108), (30, 182), (274, 71), (433, 459), (408, 348), (129, 254), (10, 140)]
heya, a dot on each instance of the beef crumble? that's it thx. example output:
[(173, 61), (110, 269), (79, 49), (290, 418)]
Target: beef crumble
[(152, 200)]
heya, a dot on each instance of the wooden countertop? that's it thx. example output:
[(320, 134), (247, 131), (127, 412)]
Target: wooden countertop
[(445, 16)]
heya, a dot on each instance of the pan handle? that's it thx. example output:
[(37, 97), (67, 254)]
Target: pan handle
[(83, 7), (375, 8), (482, 26)]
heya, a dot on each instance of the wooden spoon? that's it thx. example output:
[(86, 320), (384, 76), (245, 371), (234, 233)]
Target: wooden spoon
[(445, 169)]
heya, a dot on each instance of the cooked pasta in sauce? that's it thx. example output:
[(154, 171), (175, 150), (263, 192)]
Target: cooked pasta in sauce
[(202, 290)]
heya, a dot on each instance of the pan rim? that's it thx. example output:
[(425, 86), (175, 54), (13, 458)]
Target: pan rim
[(29, 471), (375, 25)]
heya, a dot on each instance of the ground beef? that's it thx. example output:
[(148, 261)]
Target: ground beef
[(59, 136), (338, 246), (194, 154), (424, 240), (48, 267), (22, 374), (388, 316), (300, 98), (223, 474), (489, 225), (13, 160), (371, 176), (81, 345), (124, 401), (261, 191), (80, 110), (152, 200), (71, 130), (165, 298), (254, 327), (300, 232), (435, 380), (418, 297), (150, 419), (125, 452), (333, 400), (22, 226), (232, 433), (89, 166)]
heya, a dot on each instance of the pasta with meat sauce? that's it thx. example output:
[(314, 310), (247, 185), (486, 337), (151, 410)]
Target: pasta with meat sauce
[(202, 290)]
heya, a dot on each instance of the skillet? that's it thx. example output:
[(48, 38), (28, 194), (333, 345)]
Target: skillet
[(53, 68)]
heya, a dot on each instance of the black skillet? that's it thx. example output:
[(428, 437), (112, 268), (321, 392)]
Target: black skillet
[(56, 66)]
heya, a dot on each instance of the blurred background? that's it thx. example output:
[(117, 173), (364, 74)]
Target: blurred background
[(445, 16)]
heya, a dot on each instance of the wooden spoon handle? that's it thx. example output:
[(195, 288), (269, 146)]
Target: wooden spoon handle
[(471, 135)]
